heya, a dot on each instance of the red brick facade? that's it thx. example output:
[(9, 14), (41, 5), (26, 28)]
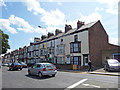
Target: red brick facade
[(98, 41)]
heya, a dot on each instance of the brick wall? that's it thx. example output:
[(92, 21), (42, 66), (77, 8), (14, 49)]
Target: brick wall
[(69, 67), (111, 47), (98, 40), (64, 66)]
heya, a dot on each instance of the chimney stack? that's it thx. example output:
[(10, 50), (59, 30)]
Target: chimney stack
[(57, 31), (50, 34), (31, 43), (67, 27), (36, 40), (24, 47), (43, 37), (79, 24), (20, 48)]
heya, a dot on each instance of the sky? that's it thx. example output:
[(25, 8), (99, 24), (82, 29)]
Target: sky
[(20, 18)]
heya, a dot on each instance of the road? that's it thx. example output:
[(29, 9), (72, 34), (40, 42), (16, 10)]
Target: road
[(20, 79), (0, 78)]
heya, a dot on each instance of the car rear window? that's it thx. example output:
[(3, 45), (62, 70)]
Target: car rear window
[(48, 65), (22, 63), (17, 64)]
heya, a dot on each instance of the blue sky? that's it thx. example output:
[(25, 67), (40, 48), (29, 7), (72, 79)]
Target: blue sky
[(20, 20)]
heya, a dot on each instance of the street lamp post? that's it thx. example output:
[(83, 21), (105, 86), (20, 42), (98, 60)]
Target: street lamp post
[(46, 45)]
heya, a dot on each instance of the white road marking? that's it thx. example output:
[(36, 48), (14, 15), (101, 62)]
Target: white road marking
[(91, 85), (76, 84)]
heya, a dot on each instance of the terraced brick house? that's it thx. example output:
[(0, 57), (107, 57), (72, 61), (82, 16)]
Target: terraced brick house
[(75, 46), (30, 53), (25, 49)]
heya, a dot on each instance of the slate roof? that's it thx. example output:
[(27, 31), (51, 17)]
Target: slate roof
[(87, 26), (60, 34), (71, 31)]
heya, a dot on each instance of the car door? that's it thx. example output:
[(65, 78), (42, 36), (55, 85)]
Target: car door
[(33, 69), (38, 68)]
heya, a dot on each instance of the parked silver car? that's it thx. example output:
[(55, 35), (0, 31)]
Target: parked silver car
[(42, 69), (112, 65)]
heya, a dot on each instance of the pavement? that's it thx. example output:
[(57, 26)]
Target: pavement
[(101, 71), (97, 70)]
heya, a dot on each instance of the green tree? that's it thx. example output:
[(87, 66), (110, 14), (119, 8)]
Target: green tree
[(4, 42)]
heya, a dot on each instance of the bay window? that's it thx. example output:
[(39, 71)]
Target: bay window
[(75, 47), (42, 52), (61, 49), (61, 60)]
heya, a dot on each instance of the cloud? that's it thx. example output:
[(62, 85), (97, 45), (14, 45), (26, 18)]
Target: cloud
[(86, 18), (51, 0), (31, 39), (50, 18), (57, 18), (114, 40), (5, 25), (40, 30), (2, 3), (35, 13), (9, 50), (20, 24), (33, 5), (111, 5), (89, 18), (98, 9), (59, 3)]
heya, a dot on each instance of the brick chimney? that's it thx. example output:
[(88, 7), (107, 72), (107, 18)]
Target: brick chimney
[(57, 31), (50, 34), (36, 40), (20, 48), (67, 27), (79, 24), (31, 43), (24, 47), (43, 37)]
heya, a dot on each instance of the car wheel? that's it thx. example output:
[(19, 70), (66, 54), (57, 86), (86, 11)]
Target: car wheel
[(40, 75), (9, 69), (29, 73), (53, 75)]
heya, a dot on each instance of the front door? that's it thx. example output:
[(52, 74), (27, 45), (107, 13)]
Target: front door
[(85, 59), (77, 60)]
